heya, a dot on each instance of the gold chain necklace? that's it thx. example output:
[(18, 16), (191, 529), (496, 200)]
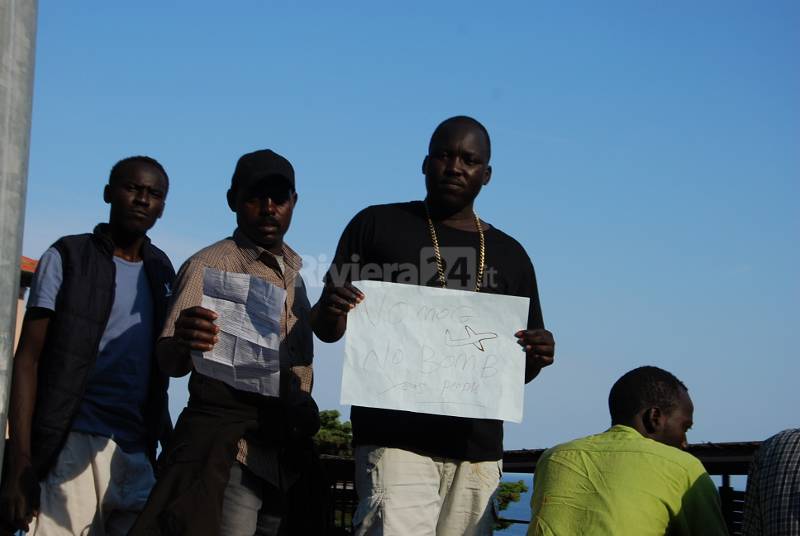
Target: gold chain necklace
[(438, 254)]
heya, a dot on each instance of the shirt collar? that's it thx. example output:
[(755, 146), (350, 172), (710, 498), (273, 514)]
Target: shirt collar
[(102, 234), (253, 252), (624, 430)]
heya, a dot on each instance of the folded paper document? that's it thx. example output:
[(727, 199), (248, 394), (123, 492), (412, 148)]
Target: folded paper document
[(249, 312)]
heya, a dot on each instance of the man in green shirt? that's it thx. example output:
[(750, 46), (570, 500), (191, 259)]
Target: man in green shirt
[(633, 479)]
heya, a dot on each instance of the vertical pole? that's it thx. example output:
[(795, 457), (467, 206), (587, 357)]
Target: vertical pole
[(726, 499), (17, 46)]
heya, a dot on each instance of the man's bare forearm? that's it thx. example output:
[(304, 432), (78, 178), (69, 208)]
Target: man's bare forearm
[(25, 380), (174, 359), (327, 327), (531, 371), (22, 404)]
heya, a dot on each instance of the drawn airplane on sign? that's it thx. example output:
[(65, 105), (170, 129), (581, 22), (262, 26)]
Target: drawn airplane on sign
[(473, 337)]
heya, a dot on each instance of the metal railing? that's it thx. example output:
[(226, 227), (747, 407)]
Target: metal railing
[(720, 459)]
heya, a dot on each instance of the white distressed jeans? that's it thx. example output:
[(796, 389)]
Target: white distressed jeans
[(95, 488), (403, 494)]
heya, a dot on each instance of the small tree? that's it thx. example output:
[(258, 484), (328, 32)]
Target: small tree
[(334, 437), (508, 492)]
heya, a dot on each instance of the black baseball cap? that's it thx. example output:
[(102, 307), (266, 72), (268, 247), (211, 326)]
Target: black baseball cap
[(261, 165)]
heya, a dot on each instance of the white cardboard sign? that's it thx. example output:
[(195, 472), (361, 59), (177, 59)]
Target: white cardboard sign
[(432, 350)]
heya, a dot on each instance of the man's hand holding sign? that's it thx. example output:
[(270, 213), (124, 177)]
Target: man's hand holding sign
[(433, 362)]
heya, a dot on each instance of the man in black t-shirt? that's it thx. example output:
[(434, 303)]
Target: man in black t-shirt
[(417, 473)]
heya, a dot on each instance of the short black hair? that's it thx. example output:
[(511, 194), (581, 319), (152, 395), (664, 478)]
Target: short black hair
[(641, 388), (463, 119), (118, 171)]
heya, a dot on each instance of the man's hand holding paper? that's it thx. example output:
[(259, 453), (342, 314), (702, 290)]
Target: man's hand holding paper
[(195, 329), (235, 335)]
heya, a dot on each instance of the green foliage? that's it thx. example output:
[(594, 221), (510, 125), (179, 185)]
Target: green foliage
[(334, 436), (508, 492)]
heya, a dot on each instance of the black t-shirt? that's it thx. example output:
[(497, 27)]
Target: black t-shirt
[(393, 243)]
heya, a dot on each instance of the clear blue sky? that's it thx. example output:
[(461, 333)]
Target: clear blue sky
[(646, 154)]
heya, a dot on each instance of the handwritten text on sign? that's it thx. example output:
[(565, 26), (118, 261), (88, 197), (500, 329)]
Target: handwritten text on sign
[(432, 350)]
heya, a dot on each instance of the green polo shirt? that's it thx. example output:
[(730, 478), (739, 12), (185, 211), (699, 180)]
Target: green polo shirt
[(620, 483)]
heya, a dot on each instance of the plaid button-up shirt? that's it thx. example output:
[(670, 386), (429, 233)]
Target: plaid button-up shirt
[(240, 255), (772, 501)]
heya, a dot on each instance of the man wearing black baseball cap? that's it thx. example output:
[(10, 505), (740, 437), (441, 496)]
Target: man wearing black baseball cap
[(235, 455)]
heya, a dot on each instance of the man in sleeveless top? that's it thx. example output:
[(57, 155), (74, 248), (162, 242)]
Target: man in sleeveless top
[(88, 401)]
